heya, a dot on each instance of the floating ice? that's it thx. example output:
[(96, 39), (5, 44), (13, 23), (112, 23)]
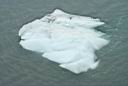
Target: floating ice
[(67, 39)]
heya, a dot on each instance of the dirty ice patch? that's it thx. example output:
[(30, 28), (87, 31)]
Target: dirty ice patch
[(64, 38)]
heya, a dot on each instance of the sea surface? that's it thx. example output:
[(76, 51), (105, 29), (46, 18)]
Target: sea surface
[(20, 67)]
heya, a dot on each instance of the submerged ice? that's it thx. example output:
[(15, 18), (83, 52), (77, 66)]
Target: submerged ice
[(67, 39)]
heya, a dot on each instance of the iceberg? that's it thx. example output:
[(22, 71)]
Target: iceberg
[(67, 39)]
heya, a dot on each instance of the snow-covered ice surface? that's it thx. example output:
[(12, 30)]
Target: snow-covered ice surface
[(67, 39)]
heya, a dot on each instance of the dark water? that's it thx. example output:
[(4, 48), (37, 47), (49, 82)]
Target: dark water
[(19, 67)]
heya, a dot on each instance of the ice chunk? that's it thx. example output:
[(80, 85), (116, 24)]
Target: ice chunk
[(67, 39)]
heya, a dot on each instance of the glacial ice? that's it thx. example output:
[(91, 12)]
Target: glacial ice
[(64, 38)]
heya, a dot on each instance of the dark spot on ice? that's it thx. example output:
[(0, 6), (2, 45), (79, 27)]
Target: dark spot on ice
[(70, 18)]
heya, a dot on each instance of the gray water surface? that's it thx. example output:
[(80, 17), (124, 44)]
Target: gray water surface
[(20, 67)]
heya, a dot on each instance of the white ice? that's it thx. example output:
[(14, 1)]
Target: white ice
[(67, 39)]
